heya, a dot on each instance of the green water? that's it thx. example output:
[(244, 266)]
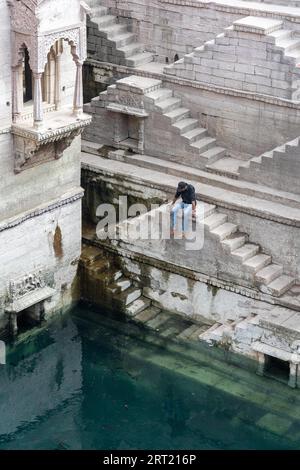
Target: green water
[(86, 382)]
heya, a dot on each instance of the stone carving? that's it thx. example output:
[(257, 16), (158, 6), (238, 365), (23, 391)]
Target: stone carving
[(23, 18), (30, 151), (73, 36), (130, 100), (25, 26), (28, 283)]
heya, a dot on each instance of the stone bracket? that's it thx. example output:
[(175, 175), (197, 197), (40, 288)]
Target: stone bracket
[(32, 148)]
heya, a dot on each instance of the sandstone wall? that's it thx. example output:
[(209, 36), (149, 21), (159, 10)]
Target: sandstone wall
[(169, 27)]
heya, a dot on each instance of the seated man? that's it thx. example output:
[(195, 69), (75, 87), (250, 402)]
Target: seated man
[(187, 194)]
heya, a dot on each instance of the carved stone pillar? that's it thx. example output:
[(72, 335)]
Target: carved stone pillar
[(78, 94), (58, 81), (13, 324), (117, 128), (293, 375), (261, 363), (38, 100), (141, 136), (52, 77), (17, 92)]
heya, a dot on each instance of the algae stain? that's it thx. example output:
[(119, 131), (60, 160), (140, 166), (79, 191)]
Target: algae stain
[(214, 289), (57, 243)]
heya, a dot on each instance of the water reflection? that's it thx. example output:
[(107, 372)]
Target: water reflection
[(85, 382)]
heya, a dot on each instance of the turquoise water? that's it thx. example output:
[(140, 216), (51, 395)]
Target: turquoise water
[(87, 382)]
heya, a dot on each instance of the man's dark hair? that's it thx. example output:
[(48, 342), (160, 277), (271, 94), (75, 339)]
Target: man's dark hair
[(182, 185)]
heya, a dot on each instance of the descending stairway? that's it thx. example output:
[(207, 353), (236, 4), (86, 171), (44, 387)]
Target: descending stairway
[(202, 148), (230, 59), (120, 294), (118, 45), (278, 168), (267, 275)]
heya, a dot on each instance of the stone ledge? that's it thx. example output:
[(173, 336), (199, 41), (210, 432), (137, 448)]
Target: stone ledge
[(242, 7), (276, 352), (191, 274), (257, 25), (165, 78), (209, 199), (68, 198)]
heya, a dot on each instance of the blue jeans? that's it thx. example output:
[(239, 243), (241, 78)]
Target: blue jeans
[(187, 209)]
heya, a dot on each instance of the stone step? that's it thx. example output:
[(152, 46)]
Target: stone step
[(119, 286), (269, 273), (203, 144), (234, 241), (214, 220), (169, 104), (187, 332), (90, 147), (128, 296), (147, 314), (204, 210), (195, 134), (138, 306), (280, 34), (226, 166), (186, 125), (246, 252), (169, 331), (139, 59), (225, 230), (115, 276), (258, 25), (213, 154), (104, 20), (158, 321), (113, 30), (98, 10), (280, 285), (130, 49), (288, 44), (160, 95), (207, 335), (91, 254), (178, 114), (258, 262), (199, 331), (294, 53), (124, 39)]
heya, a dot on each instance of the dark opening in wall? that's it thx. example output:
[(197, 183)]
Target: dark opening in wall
[(277, 369), (27, 78), (176, 57), (30, 317), (167, 60)]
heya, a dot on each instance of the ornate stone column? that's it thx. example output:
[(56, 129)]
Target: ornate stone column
[(17, 105), (117, 128), (78, 94), (37, 100), (58, 57), (141, 141)]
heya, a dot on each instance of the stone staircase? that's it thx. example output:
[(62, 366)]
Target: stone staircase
[(200, 146), (278, 168), (111, 41), (106, 286), (267, 275), (257, 265), (254, 54)]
